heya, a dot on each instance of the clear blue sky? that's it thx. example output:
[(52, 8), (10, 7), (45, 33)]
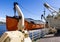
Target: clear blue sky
[(32, 8)]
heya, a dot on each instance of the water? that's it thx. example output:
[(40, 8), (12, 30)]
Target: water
[(2, 28)]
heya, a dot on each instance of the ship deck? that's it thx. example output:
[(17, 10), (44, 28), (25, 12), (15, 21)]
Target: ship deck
[(49, 39)]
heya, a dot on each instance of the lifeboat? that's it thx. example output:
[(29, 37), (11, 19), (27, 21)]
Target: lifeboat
[(12, 22)]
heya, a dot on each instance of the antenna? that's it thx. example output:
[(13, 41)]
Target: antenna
[(44, 11)]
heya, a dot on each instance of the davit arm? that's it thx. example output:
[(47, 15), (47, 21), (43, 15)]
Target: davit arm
[(20, 14)]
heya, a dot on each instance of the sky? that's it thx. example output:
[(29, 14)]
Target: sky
[(30, 8)]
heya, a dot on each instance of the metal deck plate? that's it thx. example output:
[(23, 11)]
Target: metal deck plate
[(49, 39)]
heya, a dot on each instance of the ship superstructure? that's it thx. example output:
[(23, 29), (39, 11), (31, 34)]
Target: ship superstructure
[(53, 19)]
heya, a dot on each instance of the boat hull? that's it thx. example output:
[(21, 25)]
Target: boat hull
[(12, 22)]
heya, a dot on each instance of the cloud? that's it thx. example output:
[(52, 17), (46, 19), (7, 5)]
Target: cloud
[(2, 19)]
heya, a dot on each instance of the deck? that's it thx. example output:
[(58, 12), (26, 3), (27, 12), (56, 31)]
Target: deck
[(49, 39)]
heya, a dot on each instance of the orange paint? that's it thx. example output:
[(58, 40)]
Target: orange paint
[(12, 22)]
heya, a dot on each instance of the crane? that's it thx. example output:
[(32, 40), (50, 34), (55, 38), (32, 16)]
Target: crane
[(42, 16), (46, 25), (51, 9)]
